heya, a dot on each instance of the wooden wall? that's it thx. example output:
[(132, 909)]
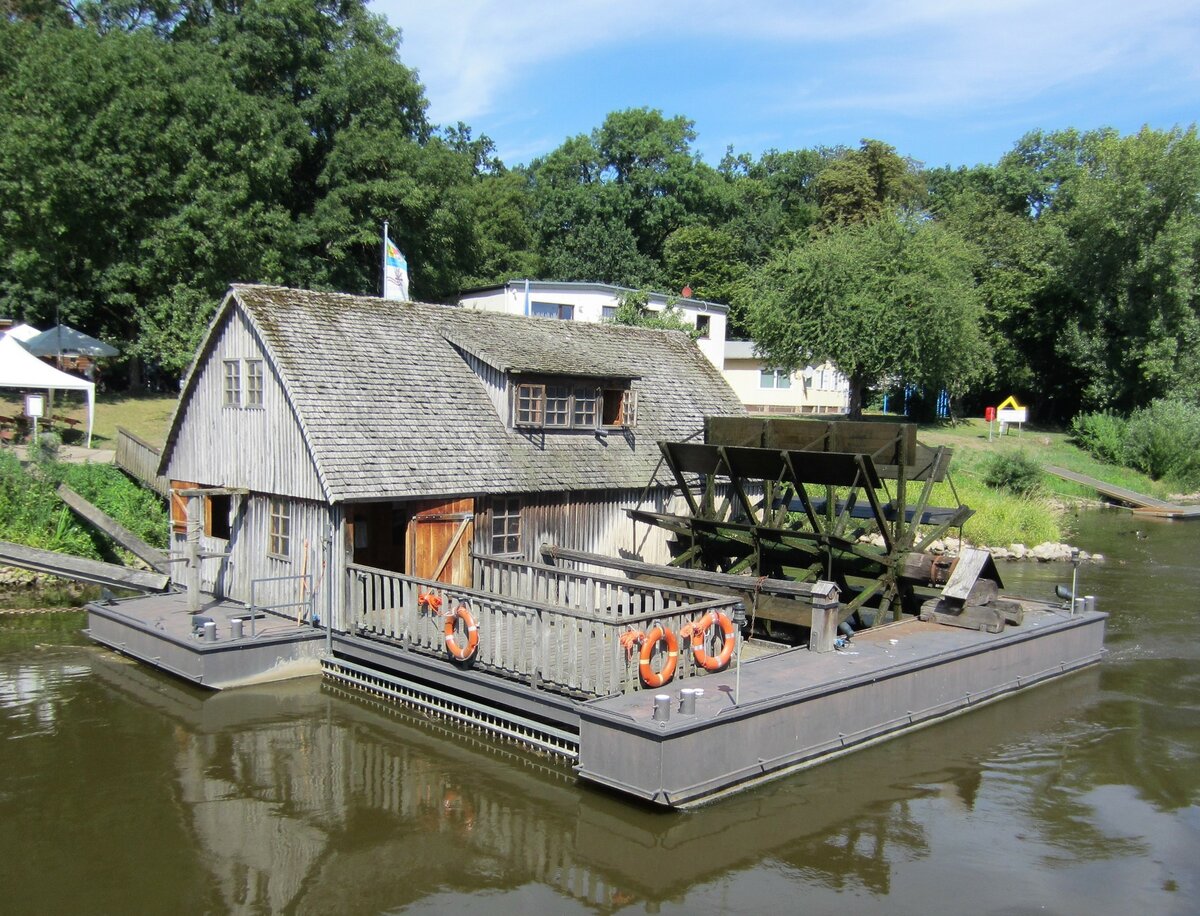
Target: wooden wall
[(261, 449), (248, 559), (594, 521)]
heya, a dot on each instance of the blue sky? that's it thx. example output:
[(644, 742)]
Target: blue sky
[(953, 82)]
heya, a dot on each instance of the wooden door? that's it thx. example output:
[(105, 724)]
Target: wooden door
[(439, 538)]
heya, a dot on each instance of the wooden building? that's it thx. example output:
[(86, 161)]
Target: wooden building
[(319, 429)]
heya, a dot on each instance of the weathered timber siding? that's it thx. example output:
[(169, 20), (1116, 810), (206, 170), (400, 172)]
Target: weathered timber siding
[(594, 521), (139, 459), (248, 558), (494, 381), (262, 449)]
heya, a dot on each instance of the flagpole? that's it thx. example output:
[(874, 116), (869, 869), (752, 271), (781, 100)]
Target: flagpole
[(383, 263)]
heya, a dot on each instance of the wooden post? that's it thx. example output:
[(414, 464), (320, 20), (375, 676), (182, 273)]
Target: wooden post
[(823, 634), (195, 525)]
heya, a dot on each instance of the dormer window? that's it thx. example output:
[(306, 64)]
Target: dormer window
[(571, 405)]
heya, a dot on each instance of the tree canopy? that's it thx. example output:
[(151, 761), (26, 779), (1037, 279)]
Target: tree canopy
[(153, 152), (888, 299)]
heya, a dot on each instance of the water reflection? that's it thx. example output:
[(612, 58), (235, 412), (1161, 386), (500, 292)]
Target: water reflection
[(303, 799)]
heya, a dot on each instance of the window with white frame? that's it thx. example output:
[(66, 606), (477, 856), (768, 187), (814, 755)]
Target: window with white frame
[(279, 534), (552, 310), (233, 383), (254, 383), (774, 378), (506, 524), (608, 312)]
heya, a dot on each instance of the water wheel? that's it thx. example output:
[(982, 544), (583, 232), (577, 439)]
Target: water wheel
[(808, 499)]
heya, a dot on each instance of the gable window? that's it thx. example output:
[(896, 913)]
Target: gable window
[(558, 406), (552, 310), (584, 416), (506, 524), (279, 534), (566, 406), (774, 378), (703, 326), (233, 383), (254, 383)]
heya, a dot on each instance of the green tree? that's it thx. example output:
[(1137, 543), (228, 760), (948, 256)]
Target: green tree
[(891, 299), (132, 171), (633, 309), (580, 219), (865, 184), (1112, 319), (151, 153)]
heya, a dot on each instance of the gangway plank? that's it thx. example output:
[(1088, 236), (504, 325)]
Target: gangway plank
[(80, 569), (114, 529), (1140, 503)]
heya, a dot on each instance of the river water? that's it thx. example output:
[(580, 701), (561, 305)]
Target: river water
[(123, 791)]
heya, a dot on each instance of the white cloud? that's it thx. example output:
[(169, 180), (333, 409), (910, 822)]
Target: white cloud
[(918, 58)]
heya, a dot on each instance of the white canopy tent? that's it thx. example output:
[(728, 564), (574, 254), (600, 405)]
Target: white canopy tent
[(21, 332), (21, 369)]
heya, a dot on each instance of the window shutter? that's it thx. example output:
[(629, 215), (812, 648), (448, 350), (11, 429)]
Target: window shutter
[(629, 409)]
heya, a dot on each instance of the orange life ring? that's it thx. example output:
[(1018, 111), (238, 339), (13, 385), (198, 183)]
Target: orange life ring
[(649, 676), (467, 652), (700, 632)]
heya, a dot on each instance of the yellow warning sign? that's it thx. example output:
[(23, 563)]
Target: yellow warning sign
[(1008, 402)]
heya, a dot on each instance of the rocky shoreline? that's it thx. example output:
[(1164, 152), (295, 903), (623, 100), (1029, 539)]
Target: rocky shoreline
[(1049, 552)]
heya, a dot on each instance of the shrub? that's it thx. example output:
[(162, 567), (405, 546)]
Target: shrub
[(32, 514), (1102, 435), (45, 448), (1015, 472), (1163, 441)]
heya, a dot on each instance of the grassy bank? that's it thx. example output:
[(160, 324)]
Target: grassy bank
[(1003, 518), (146, 416), (32, 514)]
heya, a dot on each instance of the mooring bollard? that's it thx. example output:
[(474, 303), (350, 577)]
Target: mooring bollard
[(1080, 606), (687, 701), (1089, 602), (662, 707), (235, 628), (210, 631)]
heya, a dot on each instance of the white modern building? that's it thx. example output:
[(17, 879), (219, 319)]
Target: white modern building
[(574, 301), (815, 390)]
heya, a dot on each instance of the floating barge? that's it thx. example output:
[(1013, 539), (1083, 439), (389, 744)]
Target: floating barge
[(515, 523), (554, 676)]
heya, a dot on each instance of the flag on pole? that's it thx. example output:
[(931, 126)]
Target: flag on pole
[(395, 271)]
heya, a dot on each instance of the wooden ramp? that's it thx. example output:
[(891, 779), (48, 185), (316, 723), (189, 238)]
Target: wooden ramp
[(1139, 502), (139, 459), (80, 569), (114, 529)]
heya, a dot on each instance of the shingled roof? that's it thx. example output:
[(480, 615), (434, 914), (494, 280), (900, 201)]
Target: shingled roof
[(392, 409)]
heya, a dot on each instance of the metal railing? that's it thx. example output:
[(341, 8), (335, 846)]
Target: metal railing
[(282, 592), (551, 641)]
